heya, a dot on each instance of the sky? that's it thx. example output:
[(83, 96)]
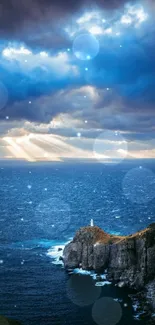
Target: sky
[(77, 80)]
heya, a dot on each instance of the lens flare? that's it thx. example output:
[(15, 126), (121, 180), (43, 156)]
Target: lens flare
[(82, 291), (86, 47), (139, 185), (106, 311), (53, 216)]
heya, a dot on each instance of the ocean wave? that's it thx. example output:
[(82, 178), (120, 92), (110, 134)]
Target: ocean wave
[(55, 252), (115, 210)]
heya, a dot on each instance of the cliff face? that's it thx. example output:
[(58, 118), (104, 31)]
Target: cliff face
[(129, 259)]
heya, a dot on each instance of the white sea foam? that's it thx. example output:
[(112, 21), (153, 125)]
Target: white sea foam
[(80, 271), (137, 310), (135, 305), (56, 250), (102, 283), (118, 299), (137, 316), (55, 253), (57, 262), (94, 276)]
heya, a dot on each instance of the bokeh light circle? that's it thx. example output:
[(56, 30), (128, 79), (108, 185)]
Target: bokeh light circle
[(139, 185), (81, 290), (53, 216), (106, 311), (85, 46), (110, 146), (3, 321), (3, 95)]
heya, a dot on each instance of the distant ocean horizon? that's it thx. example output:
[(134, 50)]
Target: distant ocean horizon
[(42, 206), (72, 160)]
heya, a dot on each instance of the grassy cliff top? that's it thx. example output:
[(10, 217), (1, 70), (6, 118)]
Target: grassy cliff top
[(95, 234)]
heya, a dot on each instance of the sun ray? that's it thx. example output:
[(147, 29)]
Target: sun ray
[(38, 152), (16, 149)]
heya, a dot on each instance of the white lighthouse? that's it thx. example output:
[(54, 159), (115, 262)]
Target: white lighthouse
[(92, 223)]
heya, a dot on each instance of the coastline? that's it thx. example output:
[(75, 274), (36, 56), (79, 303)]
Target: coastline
[(125, 261)]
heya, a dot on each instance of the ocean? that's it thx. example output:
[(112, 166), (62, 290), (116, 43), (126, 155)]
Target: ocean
[(41, 208)]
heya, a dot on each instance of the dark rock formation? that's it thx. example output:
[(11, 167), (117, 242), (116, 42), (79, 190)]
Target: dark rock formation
[(7, 321), (127, 259)]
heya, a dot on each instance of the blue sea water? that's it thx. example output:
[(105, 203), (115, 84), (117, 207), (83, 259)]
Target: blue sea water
[(41, 207)]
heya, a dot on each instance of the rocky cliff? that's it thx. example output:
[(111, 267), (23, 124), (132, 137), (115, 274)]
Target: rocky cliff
[(129, 260)]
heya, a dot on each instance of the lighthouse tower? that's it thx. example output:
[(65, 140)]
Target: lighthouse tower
[(92, 223)]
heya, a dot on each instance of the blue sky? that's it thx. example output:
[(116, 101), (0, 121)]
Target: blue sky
[(77, 80)]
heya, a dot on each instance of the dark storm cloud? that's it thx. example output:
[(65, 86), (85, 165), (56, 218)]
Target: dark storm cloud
[(27, 16), (129, 71)]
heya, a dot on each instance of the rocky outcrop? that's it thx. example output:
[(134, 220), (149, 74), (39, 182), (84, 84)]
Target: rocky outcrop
[(7, 321), (127, 259)]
